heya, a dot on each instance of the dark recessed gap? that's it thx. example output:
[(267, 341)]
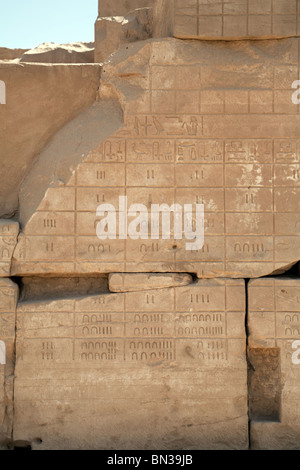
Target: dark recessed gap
[(247, 341), (19, 445), (38, 441), (264, 384), (23, 448), (47, 288)]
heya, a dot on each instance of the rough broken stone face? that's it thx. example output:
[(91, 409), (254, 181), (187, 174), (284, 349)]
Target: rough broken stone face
[(121, 8), (90, 367), (236, 19), (11, 54), (8, 303), (9, 232), (60, 53), (205, 122), (274, 353), (114, 31), (54, 94)]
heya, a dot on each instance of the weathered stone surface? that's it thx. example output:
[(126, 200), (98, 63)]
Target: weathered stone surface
[(8, 302), (11, 54), (205, 122), (40, 99), (9, 231), (108, 36), (237, 19), (121, 8), (114, 31), (120, 282), (274, 353), (88, 369), (73, 53)]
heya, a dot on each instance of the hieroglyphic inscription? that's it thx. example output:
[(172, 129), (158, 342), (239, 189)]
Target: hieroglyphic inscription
[(116, 353), (132, 326), (193, 137)]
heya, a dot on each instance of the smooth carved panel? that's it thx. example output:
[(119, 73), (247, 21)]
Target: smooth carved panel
[(144, 355), (274, 325), (236, 19), (201, 132)]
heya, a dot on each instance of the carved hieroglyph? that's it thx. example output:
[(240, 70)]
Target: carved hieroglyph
[(8, 302), (235, 19), (9, 232), (274, 326), (205, 123), (160, 369)]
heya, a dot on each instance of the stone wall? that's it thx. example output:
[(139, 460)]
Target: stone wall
[(149, 272)]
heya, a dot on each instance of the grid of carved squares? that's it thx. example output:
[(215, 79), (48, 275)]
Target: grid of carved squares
[(249, 189), (236, 18)]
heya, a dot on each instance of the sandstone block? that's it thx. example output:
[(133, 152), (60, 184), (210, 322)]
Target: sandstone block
[(204, 123), (274, 355), (119, 282), (8, 303), (172, 359)]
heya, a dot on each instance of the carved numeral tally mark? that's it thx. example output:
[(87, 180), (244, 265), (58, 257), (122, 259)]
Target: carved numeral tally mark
[(99, 351), (198, 175), (248, 247), (49, 223), (200, 298), (97, 330), (100, 248), (100, 198), (152, 331), (47, 351), (200, 199), (150, 174), (101, 175), (250, 198), (150, 299), (152, 248)]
